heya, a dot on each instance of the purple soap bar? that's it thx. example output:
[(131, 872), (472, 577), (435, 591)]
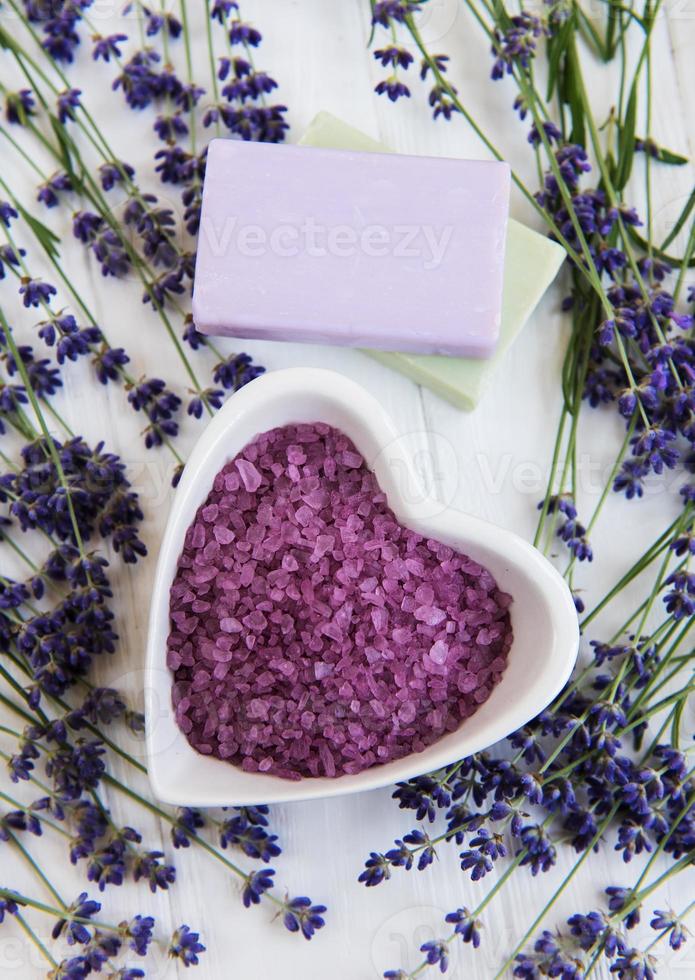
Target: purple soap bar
[(357, 249)]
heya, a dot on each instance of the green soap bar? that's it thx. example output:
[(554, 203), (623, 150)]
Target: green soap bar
[(531, 264)]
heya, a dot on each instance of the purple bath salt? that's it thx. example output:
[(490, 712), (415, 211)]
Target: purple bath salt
[(311, 633)]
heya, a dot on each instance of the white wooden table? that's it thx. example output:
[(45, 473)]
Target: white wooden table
[(493, 463)]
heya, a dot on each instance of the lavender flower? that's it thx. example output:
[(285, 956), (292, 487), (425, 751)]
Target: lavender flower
[(251, 838), (517, 45), (72, 931), (19, 106), (104, 241), (257, 883), (436, 953), (185, 945), (108, 47), (386, 11), (668, 922), (68, 102), (394, 88), (34, 292), (160, 405), (7, 213), (138, 933), (50, 191), (236, 371), (465, 925), (149, 866), (301, 916), (8, 906)]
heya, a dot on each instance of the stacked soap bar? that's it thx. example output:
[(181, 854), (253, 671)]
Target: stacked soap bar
[(531, 263), (358, 249)]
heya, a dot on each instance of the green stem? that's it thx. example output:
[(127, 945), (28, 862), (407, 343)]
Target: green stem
[(34, 813), (55, 913), (35, 868), (33, 937), (636, 569)]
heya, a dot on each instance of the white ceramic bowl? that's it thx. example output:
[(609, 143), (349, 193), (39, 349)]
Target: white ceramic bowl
[(543, 615)]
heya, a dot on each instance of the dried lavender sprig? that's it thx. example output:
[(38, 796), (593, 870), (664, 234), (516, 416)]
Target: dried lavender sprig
[(625, 227), (231, 372), (44, 428), (92, 131), (468, 928), (588, 258), (67, 914), (637, 897), (116, 363), (672, 928), (532, 101), (94, 194), (630, 901), (105, 150), (437, 950), (106, 502), (41, 817), (94, 729), (140, 264)]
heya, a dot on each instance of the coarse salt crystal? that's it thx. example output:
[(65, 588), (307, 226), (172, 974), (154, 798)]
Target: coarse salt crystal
[(312, 635), (250, 476), (223, 535)]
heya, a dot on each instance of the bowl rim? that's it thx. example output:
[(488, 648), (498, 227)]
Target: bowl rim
[(220, 786)]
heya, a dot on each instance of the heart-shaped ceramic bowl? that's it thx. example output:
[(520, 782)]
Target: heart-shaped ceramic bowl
[(544, 620)]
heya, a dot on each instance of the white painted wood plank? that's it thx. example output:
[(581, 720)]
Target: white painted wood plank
[(491, 463)]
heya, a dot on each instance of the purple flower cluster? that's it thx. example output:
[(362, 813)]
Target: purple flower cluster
[(598, 935), (100, 496), (643, 356), (517, 45), (485, 799), (104, 241), (244, 112), (155, 252), (98, 947), (72, 493), (569, 529), (160, 406), (390, 14), (58, 20), (74, 766), (247, 829), (19, 107), (49, 192)]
